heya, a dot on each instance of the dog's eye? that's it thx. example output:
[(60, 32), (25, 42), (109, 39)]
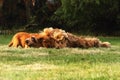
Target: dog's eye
[(40, 40), (33, 39), (27, 41)]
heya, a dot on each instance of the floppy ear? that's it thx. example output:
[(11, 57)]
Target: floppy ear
[(27, 41), (34, 39), (40, 40)]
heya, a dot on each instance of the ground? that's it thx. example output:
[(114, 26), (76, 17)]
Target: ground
[(60, 64)]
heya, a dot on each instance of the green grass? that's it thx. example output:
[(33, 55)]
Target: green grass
[(60, 64)]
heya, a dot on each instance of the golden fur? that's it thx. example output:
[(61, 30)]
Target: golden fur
[(57, 34), (58, 38), (49, 38), (19, 39), (85, 42)]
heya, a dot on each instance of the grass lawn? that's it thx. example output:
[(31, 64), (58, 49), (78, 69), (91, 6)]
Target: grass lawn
[(60, 64)]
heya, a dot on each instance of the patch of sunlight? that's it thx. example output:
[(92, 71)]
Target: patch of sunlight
[(35, 66), (5, 47), (102, 69), (34, 54), (112, 69), (115, 47), (86, 51)]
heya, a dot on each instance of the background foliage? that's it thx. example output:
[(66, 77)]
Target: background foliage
[(99, 17)]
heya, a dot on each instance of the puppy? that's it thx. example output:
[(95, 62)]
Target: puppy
[(33, 42), (19, 39)]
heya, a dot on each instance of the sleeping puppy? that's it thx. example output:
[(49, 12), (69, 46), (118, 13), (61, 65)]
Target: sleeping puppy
[(34, 42), (19, 39)]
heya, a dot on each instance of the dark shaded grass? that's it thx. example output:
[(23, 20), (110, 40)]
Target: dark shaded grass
[(5, 39)]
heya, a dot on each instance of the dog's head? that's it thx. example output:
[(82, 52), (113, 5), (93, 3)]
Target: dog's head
[(34, 42)]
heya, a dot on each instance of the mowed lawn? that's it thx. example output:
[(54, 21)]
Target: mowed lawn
[(60, 64)]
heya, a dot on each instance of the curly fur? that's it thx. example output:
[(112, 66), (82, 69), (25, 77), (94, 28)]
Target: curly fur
[(58, 38)]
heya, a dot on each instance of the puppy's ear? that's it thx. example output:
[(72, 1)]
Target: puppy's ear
[(40, 40), (34, 39), (27, 41)]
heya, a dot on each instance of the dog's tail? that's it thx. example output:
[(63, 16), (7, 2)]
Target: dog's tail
[(105, 44), (10, 44)]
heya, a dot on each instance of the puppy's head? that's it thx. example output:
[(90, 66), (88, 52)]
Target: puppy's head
[(33, 42)]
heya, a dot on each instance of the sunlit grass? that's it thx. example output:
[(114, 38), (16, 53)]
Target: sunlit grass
[(60, 64)]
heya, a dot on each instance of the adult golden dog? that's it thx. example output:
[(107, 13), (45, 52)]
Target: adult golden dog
[(49, 38), (58, 38), (19, 39), (85, 42)]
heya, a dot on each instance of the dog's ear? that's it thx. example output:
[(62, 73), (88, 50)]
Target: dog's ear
[(34, 39), (27, 41), (40, 40)]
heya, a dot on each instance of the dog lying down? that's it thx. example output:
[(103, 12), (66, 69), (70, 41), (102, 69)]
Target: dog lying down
[(19, 39), (58, 38)]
